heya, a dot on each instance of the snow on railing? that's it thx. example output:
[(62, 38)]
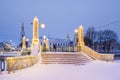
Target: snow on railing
[(17, 63), (96, 55)]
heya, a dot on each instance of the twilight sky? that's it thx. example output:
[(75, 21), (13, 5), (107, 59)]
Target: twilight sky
[(61, 17)]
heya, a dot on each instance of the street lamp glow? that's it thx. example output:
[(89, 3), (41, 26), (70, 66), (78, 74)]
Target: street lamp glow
[(44, 37), (27, 39), (10, 40), (76, 30), (42, 26)]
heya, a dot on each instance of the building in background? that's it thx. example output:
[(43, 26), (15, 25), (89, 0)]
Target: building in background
[(60, 44), (5, 46)]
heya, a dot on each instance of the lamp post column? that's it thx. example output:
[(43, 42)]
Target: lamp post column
[(35, 40), (80, 38)]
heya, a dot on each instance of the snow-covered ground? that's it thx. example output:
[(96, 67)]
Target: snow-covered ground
[(95, 70)]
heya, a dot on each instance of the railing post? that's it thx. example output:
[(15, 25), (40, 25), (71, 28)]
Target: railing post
[(2, 65)]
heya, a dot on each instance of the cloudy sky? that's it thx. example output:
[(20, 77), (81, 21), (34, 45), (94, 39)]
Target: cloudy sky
[(61, 17)]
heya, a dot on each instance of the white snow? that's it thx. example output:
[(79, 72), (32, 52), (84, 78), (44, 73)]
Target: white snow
[(10, 54), (95, 70), (61, 52)]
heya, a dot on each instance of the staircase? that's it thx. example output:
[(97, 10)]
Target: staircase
[(64, 58)]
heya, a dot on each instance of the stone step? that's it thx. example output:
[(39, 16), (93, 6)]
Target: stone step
[(62, 63), (61, 56), (64, 58), (77, 58), (66, 61)]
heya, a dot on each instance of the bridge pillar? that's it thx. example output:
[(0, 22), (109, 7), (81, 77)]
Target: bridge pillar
[(80, 38), (23, 44), (35, 40), (47, 44)]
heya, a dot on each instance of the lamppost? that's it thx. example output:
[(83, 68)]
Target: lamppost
[(41, 25), (68, 49), (75, 39), (35, 40), (27, 40), (44, 37), (23, 44), (80, 38), (46, 43)]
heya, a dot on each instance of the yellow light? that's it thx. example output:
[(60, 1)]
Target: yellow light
[(42, 26)]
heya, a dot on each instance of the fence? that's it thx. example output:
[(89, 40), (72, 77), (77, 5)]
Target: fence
[(60, 49), (17, 63), (96, 55)]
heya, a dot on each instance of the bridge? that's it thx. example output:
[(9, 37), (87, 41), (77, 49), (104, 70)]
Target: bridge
[(83, 55)]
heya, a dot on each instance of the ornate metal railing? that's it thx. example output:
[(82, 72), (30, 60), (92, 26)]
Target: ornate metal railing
[(96, 55), (60, 49)]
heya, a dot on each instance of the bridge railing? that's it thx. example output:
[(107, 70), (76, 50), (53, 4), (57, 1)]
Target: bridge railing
[(96, 55), (17, 63), (61, 49)]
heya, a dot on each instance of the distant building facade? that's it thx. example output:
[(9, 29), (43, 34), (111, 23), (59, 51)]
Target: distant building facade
[(5, 46), (60, 44)]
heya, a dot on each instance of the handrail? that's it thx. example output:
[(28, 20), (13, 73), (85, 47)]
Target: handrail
[(96, 55), (17, 63)]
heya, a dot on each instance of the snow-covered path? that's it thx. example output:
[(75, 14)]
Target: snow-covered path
[(95, 70)]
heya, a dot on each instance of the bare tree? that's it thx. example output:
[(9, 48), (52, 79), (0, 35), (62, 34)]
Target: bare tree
[(100, 39), (90, 37), (108, 38)]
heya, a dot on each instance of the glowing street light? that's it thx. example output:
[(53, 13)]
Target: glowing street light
[(27, 39), (76, 30), (44, 37), (75, 39), (42, 26)]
